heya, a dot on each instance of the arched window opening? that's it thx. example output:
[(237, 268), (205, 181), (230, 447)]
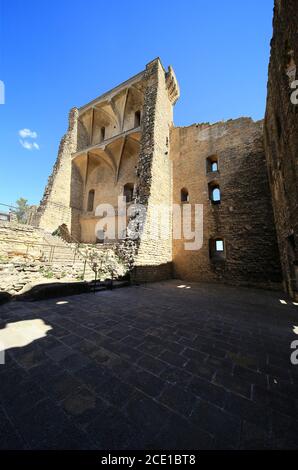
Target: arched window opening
[(100, 236), (137, 118), (219, 245), (102, 133), (214, 193), (90, 203), (217, 248), (128, 192), (184, 196), (212, 164)]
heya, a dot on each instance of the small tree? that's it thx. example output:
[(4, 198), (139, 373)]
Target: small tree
[(22, 210)]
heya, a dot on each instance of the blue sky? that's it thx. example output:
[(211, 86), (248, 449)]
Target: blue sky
[(58, 54)]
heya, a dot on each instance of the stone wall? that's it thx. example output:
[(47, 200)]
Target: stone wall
[(76, 202), (102, 180), (11, 232), (160, 160), (281, 137), (243, 219), (54, 208), (154, 172), (30, 257), (153, 273)]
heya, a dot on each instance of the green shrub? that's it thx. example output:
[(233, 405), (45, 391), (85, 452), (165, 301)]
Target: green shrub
[(48, 274)]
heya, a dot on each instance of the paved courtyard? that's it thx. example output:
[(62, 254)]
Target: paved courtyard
[(162, 366)]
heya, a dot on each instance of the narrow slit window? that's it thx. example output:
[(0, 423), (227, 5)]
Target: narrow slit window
[(214, 193), (217, 249), (184, 196), (137, 118), (90, 203), (128, 192), (219, 246), (103, 133), (212, 164)]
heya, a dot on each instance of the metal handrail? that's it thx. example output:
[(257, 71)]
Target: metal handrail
[(78, 245), (50, 249), (8, 205), (33, 243)]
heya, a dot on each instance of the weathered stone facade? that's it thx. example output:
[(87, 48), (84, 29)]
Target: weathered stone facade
[(29, 256), (154, 187), (281, 137), (124, 143), (55, 204), (243, 217)]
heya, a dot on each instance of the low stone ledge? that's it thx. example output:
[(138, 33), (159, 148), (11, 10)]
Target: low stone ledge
[(152, 273), (53, 289), (61, 289)]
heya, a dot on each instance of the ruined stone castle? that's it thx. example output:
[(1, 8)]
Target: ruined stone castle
[(124, 143)]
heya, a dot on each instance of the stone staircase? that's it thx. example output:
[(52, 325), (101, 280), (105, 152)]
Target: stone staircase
[(23, 243), (30, 255), (59, 251)]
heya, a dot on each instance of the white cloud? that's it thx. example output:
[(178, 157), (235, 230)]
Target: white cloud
[(29, 145), (27, 133)]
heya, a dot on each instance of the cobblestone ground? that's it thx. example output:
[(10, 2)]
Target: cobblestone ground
[(153, 367)]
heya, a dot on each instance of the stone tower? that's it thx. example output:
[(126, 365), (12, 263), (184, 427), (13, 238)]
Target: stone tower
[(154, 171), (281, 136), (55, 208), (123, 150), (117, 145)]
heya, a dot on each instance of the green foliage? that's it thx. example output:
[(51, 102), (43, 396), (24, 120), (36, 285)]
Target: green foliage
[(106, 264), (48, 274), (22, 210)]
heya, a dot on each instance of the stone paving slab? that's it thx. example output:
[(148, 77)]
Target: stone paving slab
[(159, 366)]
